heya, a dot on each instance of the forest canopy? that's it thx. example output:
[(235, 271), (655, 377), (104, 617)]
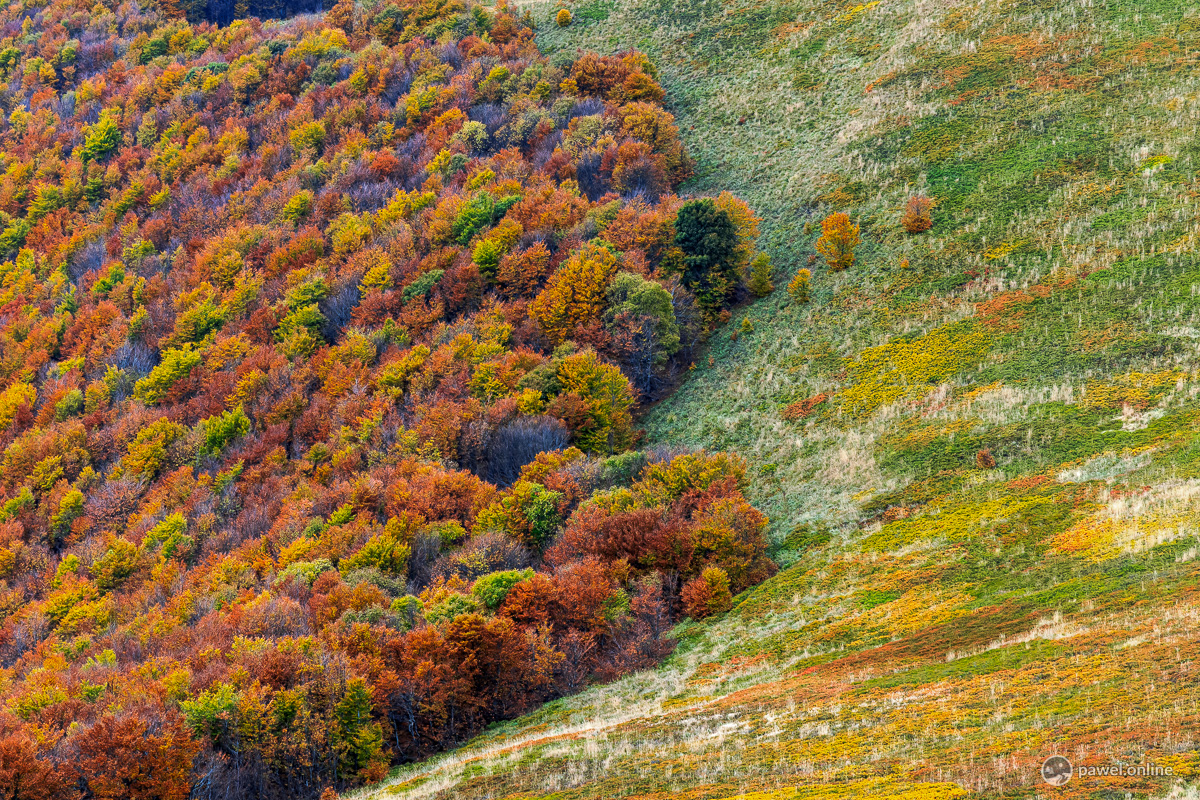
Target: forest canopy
[(320, 346)]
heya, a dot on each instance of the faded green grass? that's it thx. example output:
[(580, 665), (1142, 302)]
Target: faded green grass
[(940, 621)]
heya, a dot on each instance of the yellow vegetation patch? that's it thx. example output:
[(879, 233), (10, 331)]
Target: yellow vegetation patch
[(888, 788), (923, 436), (914, 611), (1182, 765), (1136, 390), (1135, 522), (910, 368), (854, 12), (1090, 538), (1005, 249), (959, 522), (970, 397), (921, 608)]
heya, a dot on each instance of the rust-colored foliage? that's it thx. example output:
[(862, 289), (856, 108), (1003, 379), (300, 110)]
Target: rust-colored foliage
[(803, 408), (125, 758), (917, 216), (25, 777), (307, 336), (707, 594)]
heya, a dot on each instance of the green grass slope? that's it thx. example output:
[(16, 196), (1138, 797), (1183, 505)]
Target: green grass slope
[(945, 623)]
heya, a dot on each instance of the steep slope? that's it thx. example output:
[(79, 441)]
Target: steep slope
[(309, 348), (977, 446)]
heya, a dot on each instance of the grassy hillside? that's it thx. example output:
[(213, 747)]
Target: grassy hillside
[(978, 447)]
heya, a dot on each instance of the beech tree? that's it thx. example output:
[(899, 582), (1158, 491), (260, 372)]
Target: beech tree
[(576, 293), (838, 239)]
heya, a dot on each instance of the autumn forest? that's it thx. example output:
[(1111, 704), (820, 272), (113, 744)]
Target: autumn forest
[(322, 347)]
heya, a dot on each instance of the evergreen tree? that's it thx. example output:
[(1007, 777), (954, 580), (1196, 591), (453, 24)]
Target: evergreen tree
[(360, 740), (709, 240)]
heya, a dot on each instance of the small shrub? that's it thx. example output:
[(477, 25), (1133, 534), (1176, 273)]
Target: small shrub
[(308, 137), (422, 285), (455, 605), (220, 430), (487, 256), (70, 405), (529, 513), (102, 139), (22, 502), (70, 508), (298, 207), (984, 459), (917, 218), (117, 564), (171, 534), (154, 449), (491, 589), (384, 551), (174, 367), (563, 18), (760, 284), (307, 571)]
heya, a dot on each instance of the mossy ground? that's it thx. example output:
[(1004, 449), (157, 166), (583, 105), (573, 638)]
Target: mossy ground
[(944, 624)]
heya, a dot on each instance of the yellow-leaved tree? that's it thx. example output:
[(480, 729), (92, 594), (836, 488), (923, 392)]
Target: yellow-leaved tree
[(576, 292), (839, 237), (746, 222), (596, 400)]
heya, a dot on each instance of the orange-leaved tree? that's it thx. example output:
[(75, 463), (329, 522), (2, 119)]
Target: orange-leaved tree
[(798, 288), (707, 593), (917, 217), (839, 237)]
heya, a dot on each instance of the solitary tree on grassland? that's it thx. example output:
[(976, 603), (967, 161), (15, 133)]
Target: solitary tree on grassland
[(917, 217), (760, 284), (798, 288), (839, 237)]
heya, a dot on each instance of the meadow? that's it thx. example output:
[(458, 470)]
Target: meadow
[(977, 447)]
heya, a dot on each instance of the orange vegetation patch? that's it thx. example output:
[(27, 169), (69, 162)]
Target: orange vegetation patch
[(1061, 281), (790, 29), (894, 513), (1004, 311), (1029, 482), (1141, 54), (1030, 60), (803, 408)]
